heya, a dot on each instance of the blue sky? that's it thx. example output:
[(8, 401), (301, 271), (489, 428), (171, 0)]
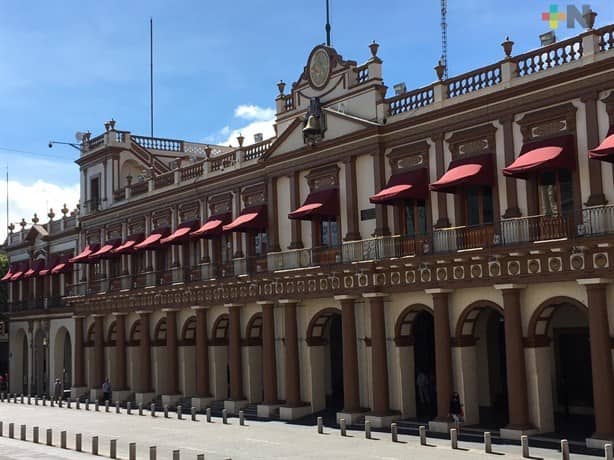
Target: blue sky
[(69, 66)]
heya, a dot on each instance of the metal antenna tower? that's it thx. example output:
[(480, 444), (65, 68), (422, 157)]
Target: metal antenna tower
[(444, 37)]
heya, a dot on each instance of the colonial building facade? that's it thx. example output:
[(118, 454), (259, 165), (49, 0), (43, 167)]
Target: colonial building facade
[(377, 254)]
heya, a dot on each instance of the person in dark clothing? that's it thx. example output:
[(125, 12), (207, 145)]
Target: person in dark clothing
[(456, 410), (106, 390)]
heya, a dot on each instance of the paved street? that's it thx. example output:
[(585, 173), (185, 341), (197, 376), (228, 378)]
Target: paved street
[(258, 440)]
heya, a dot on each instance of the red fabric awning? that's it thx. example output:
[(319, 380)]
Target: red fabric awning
[(407, 185), (153, 240), (11, 271), (474, 170), (83, 257), (106, 251), (541, 156), (181, 235), (35, 267), (127, 246), (213, 227), (251, 220), (20, 269), (318, 205), (605, 150), (63, 266)]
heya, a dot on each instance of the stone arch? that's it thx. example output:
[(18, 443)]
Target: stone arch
[(219, 353), (219, 331), (135, 333), (188, 331), (20, 375), (317, 326), (111, 335), (254, 369), (62, 357), (90, 336), (404, 327), (465, 326), (253, 330), (41, 361), (159, 336), (540, 320), (187, 357), (132, 168)]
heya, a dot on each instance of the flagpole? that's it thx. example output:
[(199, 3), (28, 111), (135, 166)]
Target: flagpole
[(327, 24), (151, 93)]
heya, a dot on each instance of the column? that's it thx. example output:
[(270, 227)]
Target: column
[(379, 181), (79, 377), (601, 357), (273, 221), (296, 232), (293, 388), (269, 359), (518, 400), (238, 236), (202, 354), (443, 357), (509, 153), (442, 205), (99, 368), (379, 361), (171, 352), (351, 196), (351, 398), (234, 352), (120, 382), (596, 198), (145, 352)]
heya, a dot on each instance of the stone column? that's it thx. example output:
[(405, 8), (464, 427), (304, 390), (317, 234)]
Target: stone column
[(99, 367), (79, 378), (273, 221), (238, 236), (511, 190), (202, 354), (296, 233), (293, 388), (379, 366), (596, 198), (351, 196), (171, 352), (379, 181), (234, 352), (269, 359), (443, 356), (518, 400), (351, 396), (120, 382), (145, 352), (601, 357), (442, 204)]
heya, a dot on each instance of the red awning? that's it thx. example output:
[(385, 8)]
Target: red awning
[(251, 220), (153, 240), (11, 271), (474, 170), (605, 151), (36, 266), (106, 251), (542, 156), (63, 266), (128, 246), (20, 269), (319, 204), (83, 258), (180, 235), (213, 227), (408, 185)]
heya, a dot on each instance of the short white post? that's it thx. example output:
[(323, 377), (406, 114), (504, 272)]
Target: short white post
[(193, 410), (208, 415), (49, 437), (487, 442), (22, 432), (342, 430), (367, 429), (166, 411), (422, 431), (179, 412), (129, 408), (132, 451), (35, 435), (524, 442), (320, 425), (176, 455), (94, 445), (224, 416), (241, 418), (113, 448), (453, 438), (609, 455), (394, 432), (153, 453), (78, 442), (63, 439), (152, 409), (564, 449)]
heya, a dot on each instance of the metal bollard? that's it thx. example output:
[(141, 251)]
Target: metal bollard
[(609, 455), (29, 400), (152, 409), (132, 451), (394, 432), (453, 438), (141, 409), (49, 437), (87, 404), (200, 457), (117, 411), (179, 412), (60, 402), (68, 403), (241, 418), (320, 425), (106, 406), (208, 415), (176, 455), (129, 408), (193, 411), (51, 402), (22, 432), (97, 405), (524, 442), (78, 442), (94, 445), (35, 435), (36, 400), (224, 416), (77, 404), (422, 431), (44, 401), (1, 429), (153, 453), (113, 448), (564, 449), (166, 411), (21, 398), (11, 430), (367, 429), (487, 442), (63, 439), (342, 430)]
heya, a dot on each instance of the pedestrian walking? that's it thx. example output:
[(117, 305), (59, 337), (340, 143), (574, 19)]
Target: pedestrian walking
[(422, 382), (57, 390), (106, 390), (456, 410)]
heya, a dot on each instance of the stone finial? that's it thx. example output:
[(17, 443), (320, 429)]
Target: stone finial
[(23, 223), (112, 124), (281, 86), (107, 126), (51, 214), (208, 151), (86, 136), (11, 227), (508, 46), (589, 18), (440, 69), (240, 140), (64, 210), (35, 219), (374, 46)]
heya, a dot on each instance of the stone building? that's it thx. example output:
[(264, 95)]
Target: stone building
[(376, 255)]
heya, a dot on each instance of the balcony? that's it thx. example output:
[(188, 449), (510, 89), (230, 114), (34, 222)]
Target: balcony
[(37, 304)]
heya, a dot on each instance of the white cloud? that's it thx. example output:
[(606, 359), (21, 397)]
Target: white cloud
[(254, 112), (261, 121), (264, 127), (38, 197)]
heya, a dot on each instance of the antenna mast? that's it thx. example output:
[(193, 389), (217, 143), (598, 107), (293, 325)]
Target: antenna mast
[(151, 114), (444, 37), (327, 24)]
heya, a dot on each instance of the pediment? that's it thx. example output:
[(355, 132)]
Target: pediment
[(36, 232)]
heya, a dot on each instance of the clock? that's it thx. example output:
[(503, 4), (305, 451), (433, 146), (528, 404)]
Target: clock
[(319, 68)]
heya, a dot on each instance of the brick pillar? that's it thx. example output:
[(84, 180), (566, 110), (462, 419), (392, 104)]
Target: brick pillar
[(202, 354), (379, 367), (351, 398), (120, 382), (234, 353), (269, 359), (443, 357), (99, 367), (171, 352), (145, 353), (293, 387), (79, 377)]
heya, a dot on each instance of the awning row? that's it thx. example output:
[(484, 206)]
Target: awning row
[(36, 268)]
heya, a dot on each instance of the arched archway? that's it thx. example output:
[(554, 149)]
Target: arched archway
[(187, 359), (133, 359), (19, 377), (559, 334), (62, 358), (415, 337), (41, 362), (324, 337), (219, 351), (480, 345), (253, 334), (160, 357)]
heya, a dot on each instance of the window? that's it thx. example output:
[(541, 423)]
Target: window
[(555, 193), (138, 262), (413, 218), (162, 259), (193, 248), (114, 268), (260, 244), (478, 206), (330, 233), (226, 247), (94, 203)]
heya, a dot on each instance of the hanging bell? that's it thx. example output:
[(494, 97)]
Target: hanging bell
[(312, 127)]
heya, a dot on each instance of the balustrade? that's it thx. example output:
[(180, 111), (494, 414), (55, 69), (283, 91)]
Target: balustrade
[(412, 100), (474, 80), (548, 57)]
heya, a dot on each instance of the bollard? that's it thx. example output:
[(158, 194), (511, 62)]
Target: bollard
[(21, 398), (152, 409), (166, 411), (394, 432), (140, 409), (193, 410), (68, 402), (35, 435), (87, 404), (117, 411), (422, 431), (453, 438), (224, 416), (29, 401), (51, 403), (22, 432), (129, 408), (342, 429), (152, 453), (1, 429), (94, 445), (96, 405), (487, 442), (36, 400), (524, 442), (1, 397), (49, 437), (106, 406), (132, 451), (179, 412), (564, 449), (44, 401), (608, 452), (200, 457), (208, 415), (113, 448), (11, 430), (176, 455), (78, 442), (63, 439), (320, 425), (60, 403), (241, 418), (77, 404), (367, 429)]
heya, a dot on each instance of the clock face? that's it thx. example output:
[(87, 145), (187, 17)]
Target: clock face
[(319, 68)]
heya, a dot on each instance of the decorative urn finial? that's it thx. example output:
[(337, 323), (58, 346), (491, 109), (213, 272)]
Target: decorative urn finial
[(51, 214), (589, 18), (112, 124), (240, 140), (64, 211), (281, 86), (11, 227), (23, 223), (374, 46), (35, 219), (440, 69), (508, 46)]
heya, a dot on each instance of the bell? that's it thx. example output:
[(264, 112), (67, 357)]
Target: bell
[(312, 127)]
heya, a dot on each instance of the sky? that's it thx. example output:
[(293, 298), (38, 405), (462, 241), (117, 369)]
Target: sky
[(69, 66)]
